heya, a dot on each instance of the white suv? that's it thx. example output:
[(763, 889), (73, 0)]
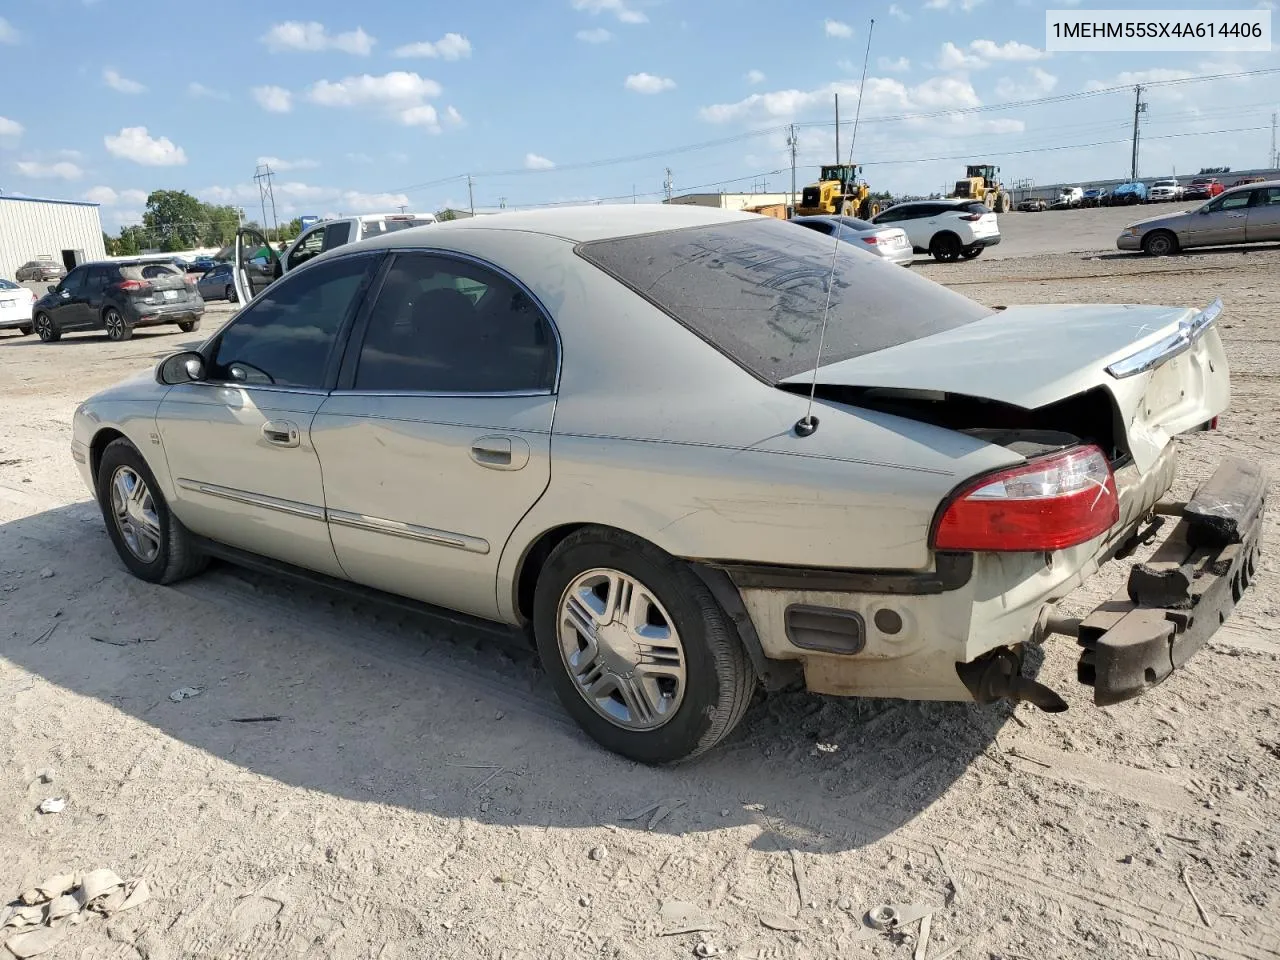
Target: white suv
[(947, 229), (1165, 190)]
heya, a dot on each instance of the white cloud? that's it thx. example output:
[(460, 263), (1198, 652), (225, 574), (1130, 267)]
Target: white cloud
[(397, 88), (1128, 78), (897, 11), (837, 28), (359, 158), (1039, 83), (10, 128), (453, 117), (899, 65), (1000, 125), (594, 35), (882, 94), (953, 58), (200, 90), (282, 166), (110, 198), (62, 170), (296, 35), (533, 161), (423, 115), (134, 143), (8, 32), (754, 76), (452, 46), (618, 8), (353, 201), (648, 83), (965, 5), (121, 84), (273, 99), (1012, 50)]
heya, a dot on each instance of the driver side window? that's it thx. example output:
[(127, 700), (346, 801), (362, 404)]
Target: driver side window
[(73, 283), (308, 247), (287, 336)]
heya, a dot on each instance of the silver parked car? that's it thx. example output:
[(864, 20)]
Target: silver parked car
[(217, 283), (1247, 214), (890, 243), (595, 423)]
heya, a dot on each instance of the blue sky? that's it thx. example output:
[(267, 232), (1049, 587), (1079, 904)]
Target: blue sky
[(369, 106)]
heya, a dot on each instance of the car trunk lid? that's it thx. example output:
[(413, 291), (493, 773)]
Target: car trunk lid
[(1163, 367)]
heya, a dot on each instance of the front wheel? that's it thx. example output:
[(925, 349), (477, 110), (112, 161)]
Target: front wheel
[(638, 650), (1161, 243), (189, 326), (970, 252), (151, 541), (114, 322), (230, 294), (45, 329)]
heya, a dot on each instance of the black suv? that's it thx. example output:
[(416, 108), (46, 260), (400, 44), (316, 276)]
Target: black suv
[(117, 296)]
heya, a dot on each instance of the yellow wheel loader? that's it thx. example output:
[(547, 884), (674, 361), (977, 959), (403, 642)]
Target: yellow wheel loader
[(982, 182), (838, 192)]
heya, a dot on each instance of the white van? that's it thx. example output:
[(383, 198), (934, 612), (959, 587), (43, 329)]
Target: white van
[(1068, 198)]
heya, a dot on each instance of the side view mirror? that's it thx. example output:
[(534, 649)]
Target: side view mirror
[(1204, 211), (185, 367), (51, 289)]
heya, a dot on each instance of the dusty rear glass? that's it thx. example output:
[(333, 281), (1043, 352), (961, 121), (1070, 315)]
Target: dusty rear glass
[(755, 290)]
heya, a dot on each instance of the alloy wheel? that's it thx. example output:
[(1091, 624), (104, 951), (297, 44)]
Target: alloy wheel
[(135, 514), (622, 649), (44, 327), (114, 324)]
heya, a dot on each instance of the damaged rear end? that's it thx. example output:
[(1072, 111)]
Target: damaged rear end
[(1090, 397)]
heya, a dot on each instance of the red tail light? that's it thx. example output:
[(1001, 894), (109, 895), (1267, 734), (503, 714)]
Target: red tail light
[(190, 281), (135, 286), (971, 217), (871, 240), (1049, 503)]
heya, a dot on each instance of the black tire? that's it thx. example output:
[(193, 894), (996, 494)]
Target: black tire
[(864, 209), (189, 326), (945, 248), (45, 328), (719, 677), (117, 327), (1159, 243), (25, 331), (230, 294), (177, 557), (970, 252)]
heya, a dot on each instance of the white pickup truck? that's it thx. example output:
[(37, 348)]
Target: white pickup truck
[(257, 264)]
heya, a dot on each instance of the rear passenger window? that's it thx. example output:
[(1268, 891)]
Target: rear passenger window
[(442, 325), (336, 234), (979, 208)]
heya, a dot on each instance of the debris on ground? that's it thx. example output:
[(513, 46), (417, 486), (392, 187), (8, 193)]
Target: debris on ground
[(598, 853), (922, 939), (63, 901), (705, 949), (680, 916), (45, 774), (185, 693), (780, 922), (656, 811), (1204, 914), (951, 877), (891, 918), (46, 573), (52, 805), (127, 642), (802, 884)]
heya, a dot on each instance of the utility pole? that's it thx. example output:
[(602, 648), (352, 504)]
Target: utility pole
[(262, 175), (402, 208), (502, 203), (471, 196), (1275, 157), (792, 143), (668, 184), (838, 129), (1139, 108)]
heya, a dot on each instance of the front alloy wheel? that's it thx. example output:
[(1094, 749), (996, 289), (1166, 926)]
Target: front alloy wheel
[(45, 329), (622, 649), (135, 514)]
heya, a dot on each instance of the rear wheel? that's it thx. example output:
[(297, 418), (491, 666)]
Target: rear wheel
[(151, 541), (1002, 203), (1160, 243), (945, 247), (188, 326), (230, 294), (45, 329), (114, 322), (970, 252), (638, 650)]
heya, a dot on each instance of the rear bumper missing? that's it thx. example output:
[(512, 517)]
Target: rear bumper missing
[(1176, 601)]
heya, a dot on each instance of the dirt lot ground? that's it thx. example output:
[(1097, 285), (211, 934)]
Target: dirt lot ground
[(423, 796)]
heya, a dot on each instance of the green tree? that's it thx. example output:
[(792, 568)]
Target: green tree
[(174, 218), (444, 216), (132, 241), (220, 224)]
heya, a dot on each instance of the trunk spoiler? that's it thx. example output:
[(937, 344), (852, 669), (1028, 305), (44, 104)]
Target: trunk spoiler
[(1148, 358)]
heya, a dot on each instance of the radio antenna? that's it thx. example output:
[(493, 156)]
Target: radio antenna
[(807, 424)]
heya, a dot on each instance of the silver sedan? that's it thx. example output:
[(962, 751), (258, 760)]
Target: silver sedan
[(889, 243), (690, 453), (1246, 214)]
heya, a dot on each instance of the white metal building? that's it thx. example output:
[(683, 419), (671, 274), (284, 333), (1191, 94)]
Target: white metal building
[(58, 230), (732, 201)]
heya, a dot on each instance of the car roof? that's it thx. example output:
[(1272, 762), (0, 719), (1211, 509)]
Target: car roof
[(1261, 184), (578, 224)]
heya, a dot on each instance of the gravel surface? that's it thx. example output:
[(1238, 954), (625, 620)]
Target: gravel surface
[(422, 795)]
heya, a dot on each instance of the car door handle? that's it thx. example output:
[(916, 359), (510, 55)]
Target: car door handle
[(500, 452), (280, 433)]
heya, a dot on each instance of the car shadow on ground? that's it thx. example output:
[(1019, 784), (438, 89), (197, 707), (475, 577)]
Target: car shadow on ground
[(98, 337), (1192, 254), (374, 704)]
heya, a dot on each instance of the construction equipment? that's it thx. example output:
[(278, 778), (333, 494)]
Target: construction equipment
[(981, 183), (838, 192)]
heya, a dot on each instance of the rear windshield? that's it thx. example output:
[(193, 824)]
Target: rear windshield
[(755, 291), (7, 284), (979, 208), (148, 271)]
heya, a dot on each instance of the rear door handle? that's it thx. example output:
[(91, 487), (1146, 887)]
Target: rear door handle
[(500, 452), (280, 433)]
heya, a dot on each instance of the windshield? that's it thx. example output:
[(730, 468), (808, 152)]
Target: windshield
[(755, 291)]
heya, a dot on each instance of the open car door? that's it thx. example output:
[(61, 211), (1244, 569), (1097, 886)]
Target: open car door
[(255, 265)]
